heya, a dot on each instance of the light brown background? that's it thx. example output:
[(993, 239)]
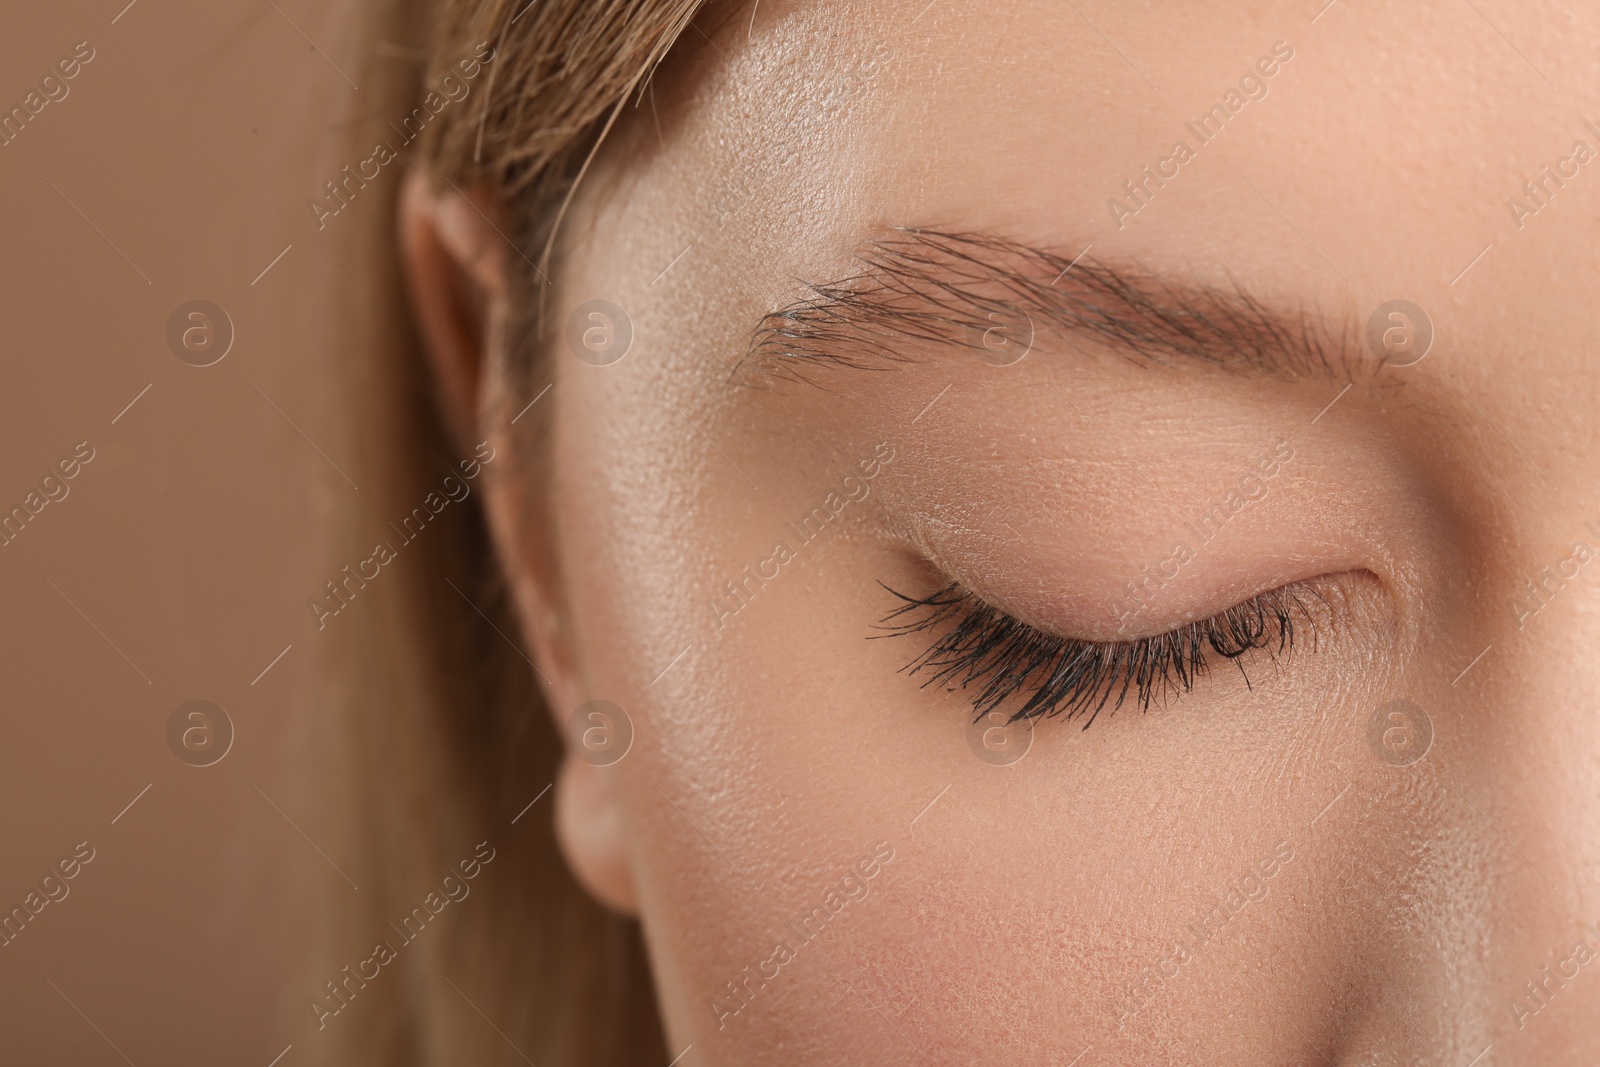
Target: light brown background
[(192, 140)]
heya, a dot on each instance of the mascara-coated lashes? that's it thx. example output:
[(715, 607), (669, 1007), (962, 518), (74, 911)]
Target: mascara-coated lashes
[(979, 647)]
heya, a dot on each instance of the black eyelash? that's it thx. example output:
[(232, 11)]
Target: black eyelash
[(1068, 676)]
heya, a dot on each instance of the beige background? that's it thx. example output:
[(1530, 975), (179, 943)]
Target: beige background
[(192, 141)]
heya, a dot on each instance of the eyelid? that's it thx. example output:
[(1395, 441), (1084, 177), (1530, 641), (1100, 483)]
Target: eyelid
[(987, 647)]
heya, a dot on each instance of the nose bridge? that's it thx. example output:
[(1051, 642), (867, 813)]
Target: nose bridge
[(1523, 783), (1534, 708)]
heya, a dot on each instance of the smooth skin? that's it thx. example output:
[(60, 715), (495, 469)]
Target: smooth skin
[(1388, 911)]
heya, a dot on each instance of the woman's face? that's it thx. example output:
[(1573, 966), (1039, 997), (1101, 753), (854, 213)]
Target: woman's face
[(1374, 847)]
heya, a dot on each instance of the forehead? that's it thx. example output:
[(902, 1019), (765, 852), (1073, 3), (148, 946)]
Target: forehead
[(1337, 158)]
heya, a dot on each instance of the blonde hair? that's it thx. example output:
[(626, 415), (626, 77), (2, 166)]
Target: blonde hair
[(440, 735)]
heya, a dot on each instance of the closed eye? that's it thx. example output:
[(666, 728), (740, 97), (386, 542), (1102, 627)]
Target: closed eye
[(1001, 659)]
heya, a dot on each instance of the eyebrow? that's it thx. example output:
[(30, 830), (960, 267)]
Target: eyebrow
[(922, 288)]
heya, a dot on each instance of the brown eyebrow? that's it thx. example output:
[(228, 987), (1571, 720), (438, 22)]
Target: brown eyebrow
[(922, 287)]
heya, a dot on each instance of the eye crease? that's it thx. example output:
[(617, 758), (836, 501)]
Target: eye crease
[(979, 647)]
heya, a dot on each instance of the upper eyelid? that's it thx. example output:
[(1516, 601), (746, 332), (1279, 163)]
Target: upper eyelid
[(956, 588)]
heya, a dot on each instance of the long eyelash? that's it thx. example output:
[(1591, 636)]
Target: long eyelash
[(979, 646)]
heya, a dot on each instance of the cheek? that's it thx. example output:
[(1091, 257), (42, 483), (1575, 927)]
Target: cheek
[(749, 792)]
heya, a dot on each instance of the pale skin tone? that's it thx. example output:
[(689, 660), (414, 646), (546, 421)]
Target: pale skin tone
[(1031, 910)]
